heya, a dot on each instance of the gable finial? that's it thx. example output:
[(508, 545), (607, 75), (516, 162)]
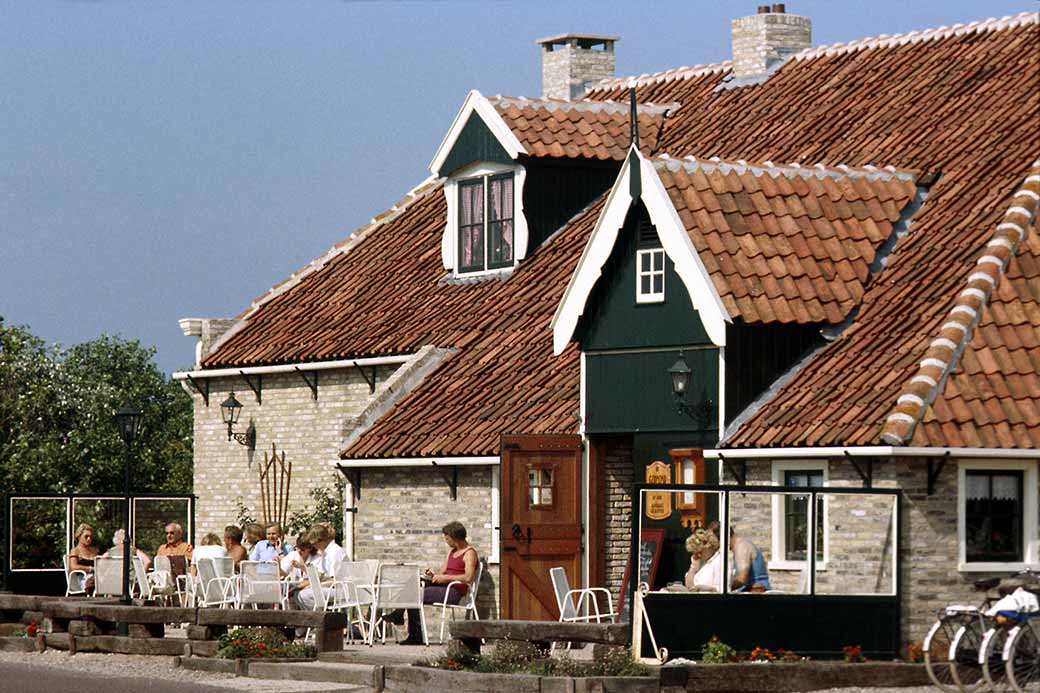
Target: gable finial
[(633, 122)]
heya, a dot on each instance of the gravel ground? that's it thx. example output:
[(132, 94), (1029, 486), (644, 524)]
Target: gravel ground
[(152, 667)]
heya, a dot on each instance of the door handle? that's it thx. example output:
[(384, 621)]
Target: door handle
[(528, 534), (517, 534)]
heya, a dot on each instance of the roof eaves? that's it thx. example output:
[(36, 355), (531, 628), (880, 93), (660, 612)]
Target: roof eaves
[(945, 350)]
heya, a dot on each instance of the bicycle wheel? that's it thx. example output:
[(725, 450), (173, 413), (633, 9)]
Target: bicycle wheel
[(1022, 658), (936, 648), (991, 657), (964, 662)]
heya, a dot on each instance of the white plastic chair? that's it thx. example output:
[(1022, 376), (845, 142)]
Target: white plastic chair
[(398, 587), (260, 583), (146, 590), (352, 590), (468, 603), (75, 580), (574, 611), (213, 590), (321, 594), (108, 576)]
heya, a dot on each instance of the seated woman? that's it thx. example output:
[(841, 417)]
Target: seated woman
[(117, 549), (294, 569), (705, 574), (210, 547), (460, 565), (83, 554)]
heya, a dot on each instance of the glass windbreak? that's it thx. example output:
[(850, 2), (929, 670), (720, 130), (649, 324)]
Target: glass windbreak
[(759, 540), (151, 515), (105, 515), (859, 542), (39, 533)]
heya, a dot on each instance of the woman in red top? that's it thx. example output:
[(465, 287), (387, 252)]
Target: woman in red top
[(459, 566)]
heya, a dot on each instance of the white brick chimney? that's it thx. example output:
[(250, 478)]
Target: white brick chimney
[(766, 39), (571, 61)]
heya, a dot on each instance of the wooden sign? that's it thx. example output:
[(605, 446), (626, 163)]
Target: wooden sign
[(658, 503)]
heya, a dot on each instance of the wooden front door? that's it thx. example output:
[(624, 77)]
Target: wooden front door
[(541, 522)]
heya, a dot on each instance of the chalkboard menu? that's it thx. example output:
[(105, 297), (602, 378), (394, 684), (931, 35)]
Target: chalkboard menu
[(651, 542)]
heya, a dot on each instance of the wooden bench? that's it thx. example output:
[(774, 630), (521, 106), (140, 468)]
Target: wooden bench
[(470, 633)]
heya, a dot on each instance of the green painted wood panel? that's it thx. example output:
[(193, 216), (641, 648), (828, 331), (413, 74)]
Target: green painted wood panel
[(555, 191), (475, 143), (631, 392), (613, 319)]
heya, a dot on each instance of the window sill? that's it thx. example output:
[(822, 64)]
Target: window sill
[(821, 566), (643, 300), (995, 567), (499, 273)]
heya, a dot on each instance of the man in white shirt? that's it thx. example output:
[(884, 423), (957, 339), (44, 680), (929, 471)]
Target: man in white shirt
[(330, 553)]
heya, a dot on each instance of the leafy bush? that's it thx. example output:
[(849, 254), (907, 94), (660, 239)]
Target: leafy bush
[(521, 657), (328, 508), (853, 653), (717, 652), (259, 643)]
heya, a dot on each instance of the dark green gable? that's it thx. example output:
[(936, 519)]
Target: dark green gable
[(630, 346), (474, 143)]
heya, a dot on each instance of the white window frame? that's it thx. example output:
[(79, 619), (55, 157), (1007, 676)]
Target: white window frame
[(450, 238), (650, 297), (1030, 539), (779, 543)]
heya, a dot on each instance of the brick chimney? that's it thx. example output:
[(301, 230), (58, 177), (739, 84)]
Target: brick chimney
[(765, 39), (571, 61)]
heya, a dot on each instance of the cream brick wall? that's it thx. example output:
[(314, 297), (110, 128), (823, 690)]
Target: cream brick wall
[(309, 431), (759, 40), (567, 68)]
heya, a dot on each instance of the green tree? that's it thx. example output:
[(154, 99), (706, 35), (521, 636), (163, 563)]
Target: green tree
[(57, 433)]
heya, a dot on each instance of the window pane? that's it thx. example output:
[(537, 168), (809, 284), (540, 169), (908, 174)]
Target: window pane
[(658, 283), (658, 261), (501, 199), (501, 239), (993, 516), (39, 533), (644, 262), (644, 284)]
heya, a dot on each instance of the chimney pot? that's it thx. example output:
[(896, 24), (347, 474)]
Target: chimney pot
[(779, 8), (571, 61), (763, 9)]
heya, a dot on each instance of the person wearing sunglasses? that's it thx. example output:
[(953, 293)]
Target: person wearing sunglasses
[(175, 545)]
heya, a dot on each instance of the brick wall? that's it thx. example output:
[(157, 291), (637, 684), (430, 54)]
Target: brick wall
[(620, 478), (567, 68)]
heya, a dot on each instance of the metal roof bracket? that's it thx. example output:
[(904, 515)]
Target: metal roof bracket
[(312, 385), (202, 388), (737, 469), (371, 381), (451, 478), (866, 474), (257, 388), (935, 468)]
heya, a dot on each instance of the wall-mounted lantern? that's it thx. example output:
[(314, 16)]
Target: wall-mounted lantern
[(680, 375), (230, 412)]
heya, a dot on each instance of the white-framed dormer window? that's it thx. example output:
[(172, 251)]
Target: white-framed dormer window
[(791, 515), (650, 275), (997, 515), (486, 231)]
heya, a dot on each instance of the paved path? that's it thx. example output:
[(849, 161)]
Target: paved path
[(30, 677)]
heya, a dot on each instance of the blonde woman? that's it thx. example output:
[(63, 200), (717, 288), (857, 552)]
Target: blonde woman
[(705, 574), (83, 554)]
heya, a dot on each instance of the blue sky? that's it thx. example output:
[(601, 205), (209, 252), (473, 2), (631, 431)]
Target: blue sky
[(175, 159)]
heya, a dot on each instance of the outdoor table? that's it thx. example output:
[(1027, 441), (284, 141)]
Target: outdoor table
[(375, 590)]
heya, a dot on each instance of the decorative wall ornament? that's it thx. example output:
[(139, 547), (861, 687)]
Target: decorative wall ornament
[(275, 479)]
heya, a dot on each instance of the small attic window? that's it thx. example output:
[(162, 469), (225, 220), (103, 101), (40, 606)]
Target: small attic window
[(650, 275), (486, 232), (485, 223)]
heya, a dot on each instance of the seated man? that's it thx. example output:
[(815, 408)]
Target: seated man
[(749, 566), (233, 544), (175, 546), (294, 566), (272, 548), (330, 553)]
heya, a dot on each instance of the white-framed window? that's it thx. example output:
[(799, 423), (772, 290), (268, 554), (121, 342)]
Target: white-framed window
[(486, 231), (997, 515), (791, 515), (650, 275)]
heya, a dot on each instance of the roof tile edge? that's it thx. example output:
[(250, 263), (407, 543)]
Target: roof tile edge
[(793, 169), (945, 350)]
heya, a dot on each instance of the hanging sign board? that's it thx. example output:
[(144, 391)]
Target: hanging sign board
[(658, 503)]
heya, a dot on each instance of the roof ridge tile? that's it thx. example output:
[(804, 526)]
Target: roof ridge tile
[(818, 170), (944, 351)]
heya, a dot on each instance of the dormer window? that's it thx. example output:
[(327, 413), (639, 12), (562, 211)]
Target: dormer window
[(650, 275), (486, 231), (486, 223)]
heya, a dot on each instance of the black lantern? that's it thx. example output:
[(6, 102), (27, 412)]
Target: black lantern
[(700, 412), (230, 411), (128, 419), (680, 373)]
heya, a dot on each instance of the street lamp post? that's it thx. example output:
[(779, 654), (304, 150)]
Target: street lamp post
[(128, 419)]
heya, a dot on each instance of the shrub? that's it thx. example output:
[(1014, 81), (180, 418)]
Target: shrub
[(521, 657), (509, 656), (853, 653), (259, 643), (789, 656), (717, 652), (761, 654), (618, 661)]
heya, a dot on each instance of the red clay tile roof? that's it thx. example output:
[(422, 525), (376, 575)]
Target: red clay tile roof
[(960, 102), (996, 383), (578, 129), (783, 243)]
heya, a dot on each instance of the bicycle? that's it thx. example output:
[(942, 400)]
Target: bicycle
[(996, 643), (952, 645)]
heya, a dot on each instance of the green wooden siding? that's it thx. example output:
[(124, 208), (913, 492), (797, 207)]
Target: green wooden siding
[(613, 319), (555, 191), (475, 143), (632, 392)]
